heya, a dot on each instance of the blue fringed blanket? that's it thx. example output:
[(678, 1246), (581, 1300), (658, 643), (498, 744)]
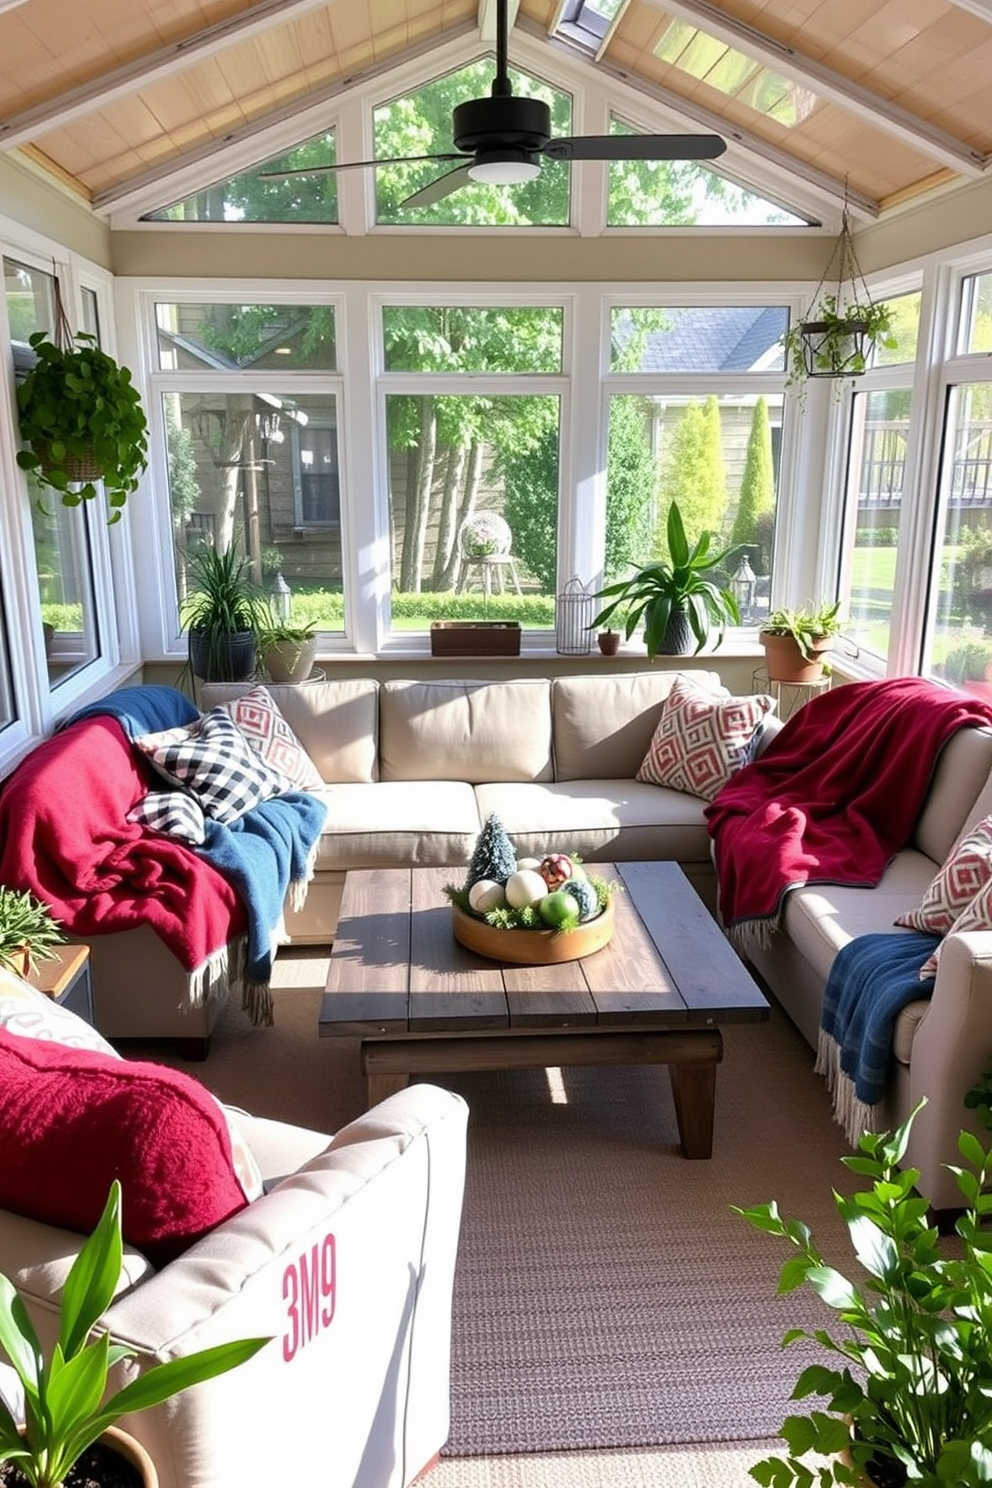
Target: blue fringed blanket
[(871, 980), (264, 854)]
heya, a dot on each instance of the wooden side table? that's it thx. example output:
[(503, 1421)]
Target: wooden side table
[(789, 696), (66, 979)]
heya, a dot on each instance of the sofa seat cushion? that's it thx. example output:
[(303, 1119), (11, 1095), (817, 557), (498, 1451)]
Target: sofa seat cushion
[(608, 820), (393, 824), (820, 918)]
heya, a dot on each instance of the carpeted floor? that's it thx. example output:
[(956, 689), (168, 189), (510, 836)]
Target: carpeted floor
[(610, 1309)]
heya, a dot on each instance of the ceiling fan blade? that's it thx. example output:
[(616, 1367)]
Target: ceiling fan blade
[(636, 147), (324, 170), (443, 186)]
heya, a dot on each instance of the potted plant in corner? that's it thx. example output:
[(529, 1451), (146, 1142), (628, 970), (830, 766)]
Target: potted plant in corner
[(66, 1415), (28, 931), (909, 1399), (677, 598), (796, 641), (81, 415), (223, 615), (287, 652)]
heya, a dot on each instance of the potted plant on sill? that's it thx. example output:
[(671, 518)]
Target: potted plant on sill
[(287, 652), (796, 641), (81, 415), (223, 615), (65, 1411), (677, 599), (918, 1331), (28, 931)]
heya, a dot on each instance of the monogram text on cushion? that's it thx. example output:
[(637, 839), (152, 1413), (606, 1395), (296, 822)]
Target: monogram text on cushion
[(702, 738)]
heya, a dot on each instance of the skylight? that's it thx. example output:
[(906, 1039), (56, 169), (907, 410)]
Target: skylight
[(586, 22), (730, 72)]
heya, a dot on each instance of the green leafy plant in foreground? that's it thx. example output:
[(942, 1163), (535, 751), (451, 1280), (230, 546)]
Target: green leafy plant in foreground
[(64, 1408), (682, 586), (910, 1400), (28, 930)]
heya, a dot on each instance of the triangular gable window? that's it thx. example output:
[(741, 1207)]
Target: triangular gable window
[(678, 193), (262, 195)]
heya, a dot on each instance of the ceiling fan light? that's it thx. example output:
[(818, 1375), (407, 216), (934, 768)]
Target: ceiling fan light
[(504, 170)]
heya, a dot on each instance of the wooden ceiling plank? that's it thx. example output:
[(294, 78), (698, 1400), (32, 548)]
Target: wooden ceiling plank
[(937, 144), (137, 185), (164, 62), (707, 119)]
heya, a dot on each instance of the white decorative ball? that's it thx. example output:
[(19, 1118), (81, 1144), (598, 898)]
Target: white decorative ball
[(528, 863), (486, 894), (524, 887)]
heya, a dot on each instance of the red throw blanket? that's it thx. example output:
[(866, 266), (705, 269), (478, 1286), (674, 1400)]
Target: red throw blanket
[(64, 835), (834, 796)]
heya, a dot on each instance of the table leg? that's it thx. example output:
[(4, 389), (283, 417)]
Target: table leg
[(694, 1091)]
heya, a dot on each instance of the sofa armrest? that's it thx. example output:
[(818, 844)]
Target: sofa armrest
[(952, 1046), (348, 1265)]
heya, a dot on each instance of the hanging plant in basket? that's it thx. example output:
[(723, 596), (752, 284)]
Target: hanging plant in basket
[(839, 333), (81, 415)]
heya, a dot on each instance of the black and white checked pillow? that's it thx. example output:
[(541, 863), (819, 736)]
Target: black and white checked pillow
[(212, 758), (172, 812)]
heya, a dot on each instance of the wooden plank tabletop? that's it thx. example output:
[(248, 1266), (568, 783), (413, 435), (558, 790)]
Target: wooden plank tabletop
[(396, 965)]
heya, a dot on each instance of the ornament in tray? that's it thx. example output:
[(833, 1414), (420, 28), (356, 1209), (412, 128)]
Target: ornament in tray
[(533, 911)]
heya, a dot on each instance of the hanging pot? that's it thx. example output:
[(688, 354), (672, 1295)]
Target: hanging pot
[(832, 351), (81, 467)]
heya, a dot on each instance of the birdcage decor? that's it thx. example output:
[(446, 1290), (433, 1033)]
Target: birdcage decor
[(573, 619)]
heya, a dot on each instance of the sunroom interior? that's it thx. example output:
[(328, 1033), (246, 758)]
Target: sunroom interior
[(339, 380)]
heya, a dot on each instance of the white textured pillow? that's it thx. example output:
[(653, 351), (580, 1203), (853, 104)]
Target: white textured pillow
[(702, 738), (212, 758)]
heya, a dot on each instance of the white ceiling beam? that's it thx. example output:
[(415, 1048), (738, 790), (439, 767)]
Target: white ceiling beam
[(487, 17), (945, 148), (980, 8), (712, 122), (604, 44), (73, 103), (302, 108)]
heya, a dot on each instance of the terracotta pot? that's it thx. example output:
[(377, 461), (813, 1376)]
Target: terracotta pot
[(608, 642), (132, 1452), (785, 662)]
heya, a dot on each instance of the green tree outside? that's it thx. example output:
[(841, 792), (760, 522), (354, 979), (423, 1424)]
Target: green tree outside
[(693, 474), (757, 494)]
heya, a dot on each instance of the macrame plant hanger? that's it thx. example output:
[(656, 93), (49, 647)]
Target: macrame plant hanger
[(82, 467), (829, 350)]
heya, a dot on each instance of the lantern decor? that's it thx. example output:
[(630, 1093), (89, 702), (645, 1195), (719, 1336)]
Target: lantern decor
[(573, 619)]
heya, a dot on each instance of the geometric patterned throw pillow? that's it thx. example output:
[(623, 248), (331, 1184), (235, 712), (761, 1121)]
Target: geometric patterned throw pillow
[(977, 915), (954, 886), (173, 813), (268, 733), (702, 738), (213, 759)]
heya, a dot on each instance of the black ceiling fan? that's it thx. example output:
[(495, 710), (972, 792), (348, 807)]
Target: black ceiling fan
[(501, 140)]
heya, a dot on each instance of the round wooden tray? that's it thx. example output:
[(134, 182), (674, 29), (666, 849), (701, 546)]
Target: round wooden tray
[(533, 947)]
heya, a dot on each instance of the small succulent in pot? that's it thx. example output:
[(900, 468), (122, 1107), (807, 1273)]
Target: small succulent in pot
[(28, 931)]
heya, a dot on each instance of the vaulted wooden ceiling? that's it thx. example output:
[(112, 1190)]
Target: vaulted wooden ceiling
[(889, 96)]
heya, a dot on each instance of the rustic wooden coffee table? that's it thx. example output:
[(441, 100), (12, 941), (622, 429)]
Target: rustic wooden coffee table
[(419, 1002)]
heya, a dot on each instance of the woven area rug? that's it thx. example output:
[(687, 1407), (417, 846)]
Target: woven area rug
[(606, 1297)]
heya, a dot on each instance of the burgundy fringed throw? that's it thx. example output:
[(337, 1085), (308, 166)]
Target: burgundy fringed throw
[(834, 796)]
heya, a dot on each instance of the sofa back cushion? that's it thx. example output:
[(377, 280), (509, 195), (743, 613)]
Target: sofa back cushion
[(335, 721), (464, 730), (603, 725), (955, 798)]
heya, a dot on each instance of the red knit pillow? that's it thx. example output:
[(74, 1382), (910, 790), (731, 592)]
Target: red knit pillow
[(72, 1120)]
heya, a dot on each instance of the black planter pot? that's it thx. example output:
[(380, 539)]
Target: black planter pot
[(679, 638), (225, 658)]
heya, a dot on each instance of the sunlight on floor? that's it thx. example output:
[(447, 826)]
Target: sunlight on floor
[(556, 1086)]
